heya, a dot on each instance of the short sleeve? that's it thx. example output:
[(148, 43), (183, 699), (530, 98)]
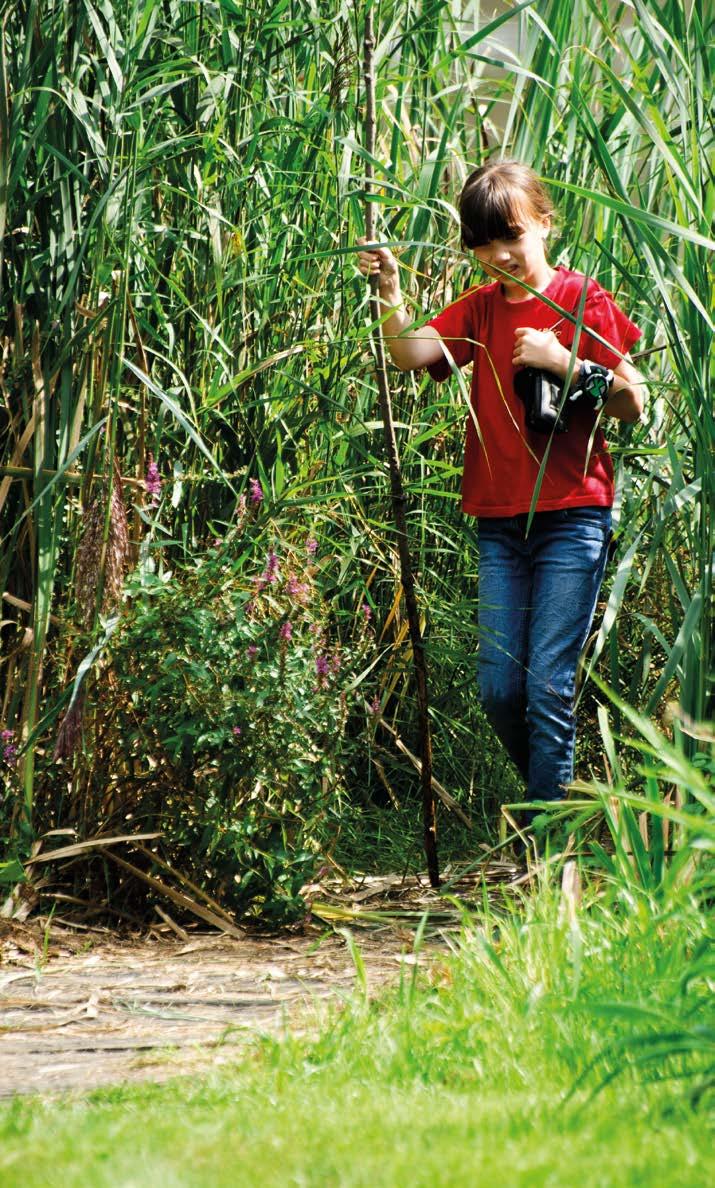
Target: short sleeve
[(603, 315), (455, 326)]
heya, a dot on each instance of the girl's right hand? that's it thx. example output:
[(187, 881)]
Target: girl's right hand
[(381, 263)]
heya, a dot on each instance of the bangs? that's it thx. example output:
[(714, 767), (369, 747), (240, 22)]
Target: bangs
[(491, 211)]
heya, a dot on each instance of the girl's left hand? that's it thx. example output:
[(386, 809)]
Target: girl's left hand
[(539, 348)]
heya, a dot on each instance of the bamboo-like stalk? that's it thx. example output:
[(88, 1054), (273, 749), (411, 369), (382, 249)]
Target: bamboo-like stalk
[(4, 144), (396, 485)]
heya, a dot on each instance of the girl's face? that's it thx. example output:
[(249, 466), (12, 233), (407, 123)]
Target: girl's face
[(522, 256)]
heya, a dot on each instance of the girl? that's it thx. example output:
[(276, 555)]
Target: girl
[(537, 589)]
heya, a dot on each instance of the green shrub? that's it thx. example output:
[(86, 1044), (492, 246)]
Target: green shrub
[(231, 694)]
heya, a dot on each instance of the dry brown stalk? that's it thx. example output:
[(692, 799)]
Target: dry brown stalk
[(179, 898), (398, 494), (70, 729), (102, 556), (101, 561)]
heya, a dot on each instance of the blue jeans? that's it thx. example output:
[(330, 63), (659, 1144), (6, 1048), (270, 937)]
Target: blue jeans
[(537, 595)]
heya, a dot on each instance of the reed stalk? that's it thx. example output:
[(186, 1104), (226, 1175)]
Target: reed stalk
[(396, 484)]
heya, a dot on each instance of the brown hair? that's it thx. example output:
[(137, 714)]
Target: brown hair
[(495, 200)]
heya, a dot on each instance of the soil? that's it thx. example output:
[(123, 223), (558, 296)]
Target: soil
[(82, 1007)]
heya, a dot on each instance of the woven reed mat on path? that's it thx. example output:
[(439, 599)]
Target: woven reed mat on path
[(82, 1007)]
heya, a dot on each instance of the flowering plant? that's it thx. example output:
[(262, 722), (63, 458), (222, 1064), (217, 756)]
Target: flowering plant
[(232, 692)]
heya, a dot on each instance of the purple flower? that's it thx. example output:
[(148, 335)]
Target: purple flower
[(270, 573), (366, 611), (236, 730), (298, 590), (375, 706), (152, 481), (256, 491), (251, 651), (286, 631), (311, 546), (321, 666), (9, 753)]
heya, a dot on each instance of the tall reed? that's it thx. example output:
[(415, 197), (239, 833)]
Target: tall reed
[(181, 187)]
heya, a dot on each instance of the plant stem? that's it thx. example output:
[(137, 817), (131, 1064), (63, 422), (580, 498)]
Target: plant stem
[(398, 494)]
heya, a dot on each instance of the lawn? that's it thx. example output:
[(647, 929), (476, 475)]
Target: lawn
[(473, 1071)]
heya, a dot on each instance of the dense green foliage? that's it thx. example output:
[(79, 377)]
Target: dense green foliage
[(181, 186), (228, 677)]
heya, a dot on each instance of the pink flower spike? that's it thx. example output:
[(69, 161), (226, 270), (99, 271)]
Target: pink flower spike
[(311, 546), (251, 651), (270, 573), (367, 612), (286, 631), (256, 491), (152, 481), (236, 730), (298, 590)]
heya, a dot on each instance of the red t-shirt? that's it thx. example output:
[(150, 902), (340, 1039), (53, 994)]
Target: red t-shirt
[(501, 469)]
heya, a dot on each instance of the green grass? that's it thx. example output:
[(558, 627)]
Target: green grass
[(337, 1129), (460, 1077)]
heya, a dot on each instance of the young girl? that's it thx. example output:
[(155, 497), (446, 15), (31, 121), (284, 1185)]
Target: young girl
[(537, 588)]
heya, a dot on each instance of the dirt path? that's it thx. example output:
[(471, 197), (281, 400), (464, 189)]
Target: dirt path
[(152, 1008), (80, 1008)]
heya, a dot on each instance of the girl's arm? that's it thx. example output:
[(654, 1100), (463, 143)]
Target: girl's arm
[(541, 348), (627, 393), (409, 349)]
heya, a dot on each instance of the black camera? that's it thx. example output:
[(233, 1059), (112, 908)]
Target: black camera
[(542, 393)]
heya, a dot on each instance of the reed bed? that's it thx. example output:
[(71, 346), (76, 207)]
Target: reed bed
[(181, 188)]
